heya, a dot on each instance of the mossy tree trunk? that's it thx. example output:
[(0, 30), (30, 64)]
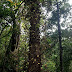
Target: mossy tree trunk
[(34, 43), (15, 36)]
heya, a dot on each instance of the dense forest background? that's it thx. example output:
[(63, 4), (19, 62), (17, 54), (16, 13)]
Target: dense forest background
[(35, 36)]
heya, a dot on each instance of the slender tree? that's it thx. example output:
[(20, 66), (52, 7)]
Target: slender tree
[(60, 45)]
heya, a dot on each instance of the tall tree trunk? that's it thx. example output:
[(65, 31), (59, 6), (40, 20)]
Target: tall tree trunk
[(60, 45), (15, 36), (34, 43), (13, 42)]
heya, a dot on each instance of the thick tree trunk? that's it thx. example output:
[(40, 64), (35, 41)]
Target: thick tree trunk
[(34, 43), (15, 36), (13, 43)]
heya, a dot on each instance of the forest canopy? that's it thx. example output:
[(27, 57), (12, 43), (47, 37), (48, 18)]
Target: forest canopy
[(35, 36)]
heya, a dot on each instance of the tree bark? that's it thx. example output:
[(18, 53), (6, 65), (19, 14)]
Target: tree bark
[(60, 45), (15, 36), (34, 43)]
